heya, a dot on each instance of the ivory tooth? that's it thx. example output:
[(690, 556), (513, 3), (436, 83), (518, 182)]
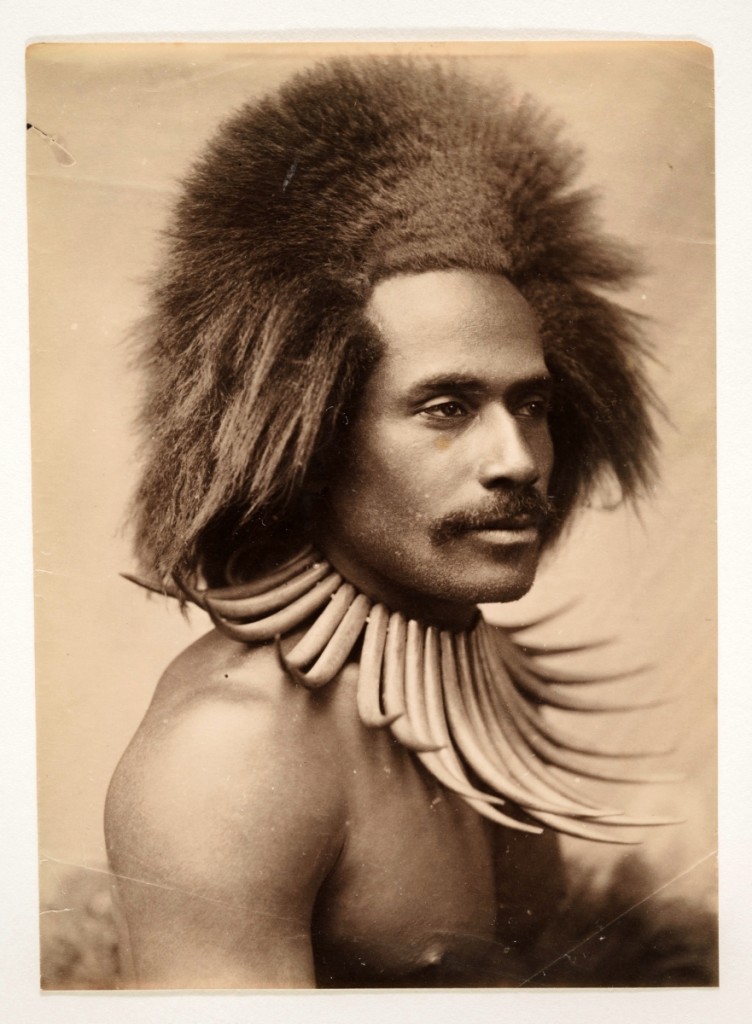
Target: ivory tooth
[(270, 579), (446, 767), (238, 608), (433, 689), (552, 616), (591, 765), (394, 660), (494, 748), (526, 771), (569, 697), (454, 778), (152, 586), (558, 678), (413, 674), (318, 636), (280, 622), (465, 739), (581, 679), (436, 716), (414, 670), (498, 689), (570, 741), (565, 779), (196, 596), (649, 821), (543, 651), (404, 733), (290, 670), (585, 764), (585, 829), (402, 728), (574, 700), (334, 656), (502, 737), (520, 706), (370, 671), (502, 819)]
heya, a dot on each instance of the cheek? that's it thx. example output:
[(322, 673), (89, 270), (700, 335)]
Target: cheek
[(540, 444), (392, 475), (545, 456)]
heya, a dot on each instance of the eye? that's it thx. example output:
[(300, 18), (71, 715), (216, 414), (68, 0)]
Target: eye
[(536, 408), (445, 410)]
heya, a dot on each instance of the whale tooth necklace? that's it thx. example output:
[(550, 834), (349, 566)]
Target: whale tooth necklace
[(456, 699)]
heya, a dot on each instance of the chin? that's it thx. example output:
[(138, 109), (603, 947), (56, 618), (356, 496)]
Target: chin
[(498, 579), (489, 585), (498, 593)]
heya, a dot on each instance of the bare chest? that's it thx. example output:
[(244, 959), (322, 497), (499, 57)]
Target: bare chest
[(412, 899)]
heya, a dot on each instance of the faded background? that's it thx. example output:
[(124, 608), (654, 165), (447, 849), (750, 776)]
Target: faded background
[(126, 122)]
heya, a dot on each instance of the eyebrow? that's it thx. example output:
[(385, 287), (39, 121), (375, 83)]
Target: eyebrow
[(471, 384)]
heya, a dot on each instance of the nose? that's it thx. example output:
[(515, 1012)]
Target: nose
[(507, 455)]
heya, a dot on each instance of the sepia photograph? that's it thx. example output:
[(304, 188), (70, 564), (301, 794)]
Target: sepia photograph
[(373, 438)]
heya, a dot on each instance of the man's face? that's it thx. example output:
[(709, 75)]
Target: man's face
[(439, 500)]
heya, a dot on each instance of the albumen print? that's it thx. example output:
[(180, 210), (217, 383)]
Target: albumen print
[(374, 511)]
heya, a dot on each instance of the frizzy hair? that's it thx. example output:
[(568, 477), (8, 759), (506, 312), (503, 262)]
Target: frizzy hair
[(256, 344)]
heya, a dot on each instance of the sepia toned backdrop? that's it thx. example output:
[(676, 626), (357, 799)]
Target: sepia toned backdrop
[(114, 128)]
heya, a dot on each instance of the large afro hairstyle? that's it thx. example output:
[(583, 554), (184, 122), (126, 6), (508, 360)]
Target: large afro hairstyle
[(256, 346)]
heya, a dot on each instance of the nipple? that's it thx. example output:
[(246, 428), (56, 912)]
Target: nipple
[(434, 955)]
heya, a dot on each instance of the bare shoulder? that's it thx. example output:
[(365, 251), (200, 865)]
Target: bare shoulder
[(228, 796), (226, 739)]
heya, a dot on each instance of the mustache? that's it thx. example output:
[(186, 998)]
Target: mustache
[(535, 507)]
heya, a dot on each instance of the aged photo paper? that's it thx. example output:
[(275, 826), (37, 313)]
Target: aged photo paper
[(113, 130)]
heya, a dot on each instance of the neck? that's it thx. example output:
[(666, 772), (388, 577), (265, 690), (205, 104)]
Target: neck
[(430, 610)]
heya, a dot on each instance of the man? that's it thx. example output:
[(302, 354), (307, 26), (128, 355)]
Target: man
[(382, 375)]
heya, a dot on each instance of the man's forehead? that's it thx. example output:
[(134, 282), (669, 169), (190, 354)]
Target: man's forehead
[(451, 288), (429, 299), (457, 324)]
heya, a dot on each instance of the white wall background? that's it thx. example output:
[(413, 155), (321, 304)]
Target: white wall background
[(727, 27)]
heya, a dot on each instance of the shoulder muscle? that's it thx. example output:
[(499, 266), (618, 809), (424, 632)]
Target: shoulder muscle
[(226, 809)]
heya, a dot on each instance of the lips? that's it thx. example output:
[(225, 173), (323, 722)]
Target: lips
[(520, 522), (506, 533)]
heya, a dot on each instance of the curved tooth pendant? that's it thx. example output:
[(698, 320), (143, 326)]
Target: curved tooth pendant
[(512, 749), (444, 764), (593, 765), (533, 712), (369, 697), (500, 713), (575, 693), (240, 609), (461, 702), (268, 614), (404, 728), (469, 734), (311, 645), (336, 651), (270, 581)]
